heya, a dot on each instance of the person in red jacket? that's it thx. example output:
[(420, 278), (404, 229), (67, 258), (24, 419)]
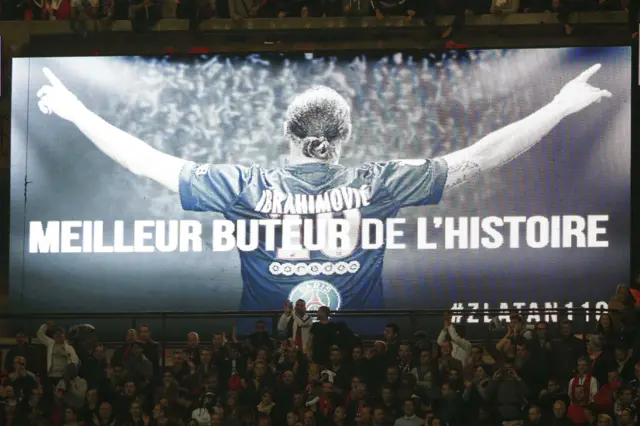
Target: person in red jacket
[(606, 396), (575, 412)]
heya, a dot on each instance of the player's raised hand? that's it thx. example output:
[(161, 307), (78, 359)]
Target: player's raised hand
[(55, 98), (579, 94)]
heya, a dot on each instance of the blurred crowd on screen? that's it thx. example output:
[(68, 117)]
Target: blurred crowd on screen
[(316, 372), (144, 14)]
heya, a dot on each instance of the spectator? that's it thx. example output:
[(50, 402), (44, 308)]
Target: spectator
[(358, 401), (394, 8), (297, 323), (601, 361), (606, 396), (628, 417), (138, 366), (150, 348), (73, 387), (591, 415), (22, 349), (144, 14), (447, 361), (534, 416), (122, 352), (392, 342), (267, 407), (542, 338), (247, 383), (105, 13), (90, 407), (461, 347), (509, 391), (53, 10), (94, 369), (605, 329), (82, 11), (59, 353), (409, 418), (585, 379), (427, 374), (566, 351), (624, 363), (448, 406), (624, 402), (379, 417), (260, 338), (21, 379), (219, 347), (136, 417), (323, 335), (548, 396), (193, 348), (635, 382), (575, 412), (476, 393), (476, 359), (566, 7), (560, 415), (531, 367), (389, 406), (105, 416), (605, 420)]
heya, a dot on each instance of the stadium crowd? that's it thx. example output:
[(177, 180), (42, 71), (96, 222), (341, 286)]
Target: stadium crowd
[(321, 374), (144, 14)]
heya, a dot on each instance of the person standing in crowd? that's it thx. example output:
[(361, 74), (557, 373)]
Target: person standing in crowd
[(566, 351), (23, 349), (193, 348), (296, 322), (323, 336), (124, 351), (150, 348), (59, 353), (296, 390), (73, 387), (461, 346), (585, 379), (392, 342)]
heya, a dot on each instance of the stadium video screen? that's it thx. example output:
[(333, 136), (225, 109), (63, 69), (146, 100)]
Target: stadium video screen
[(480, 179)]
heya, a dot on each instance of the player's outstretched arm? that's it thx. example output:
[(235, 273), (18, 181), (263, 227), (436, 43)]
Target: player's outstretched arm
[(505, 144), (126, 150)]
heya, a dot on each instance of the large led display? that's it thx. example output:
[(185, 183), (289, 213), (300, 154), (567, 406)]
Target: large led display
[(485, 179)]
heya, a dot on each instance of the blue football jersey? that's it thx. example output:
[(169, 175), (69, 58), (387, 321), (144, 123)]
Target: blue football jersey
[(337, 277)]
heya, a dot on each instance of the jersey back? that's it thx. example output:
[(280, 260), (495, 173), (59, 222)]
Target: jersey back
[(338, 276)]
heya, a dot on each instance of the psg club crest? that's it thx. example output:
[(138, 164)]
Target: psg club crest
[(317, 293)]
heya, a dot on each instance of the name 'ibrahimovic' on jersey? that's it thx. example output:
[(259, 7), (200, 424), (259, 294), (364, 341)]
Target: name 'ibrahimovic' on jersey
[(340, 278)]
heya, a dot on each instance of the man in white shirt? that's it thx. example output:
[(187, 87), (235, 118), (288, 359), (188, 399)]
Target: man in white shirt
[(297, 323), (59, 352), (409, 418), (461, 346), (583, 378)]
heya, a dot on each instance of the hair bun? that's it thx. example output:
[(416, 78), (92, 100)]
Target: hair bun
[(317, 147)]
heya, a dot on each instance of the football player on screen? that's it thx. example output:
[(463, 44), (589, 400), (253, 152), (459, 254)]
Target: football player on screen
[(314, 185)]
